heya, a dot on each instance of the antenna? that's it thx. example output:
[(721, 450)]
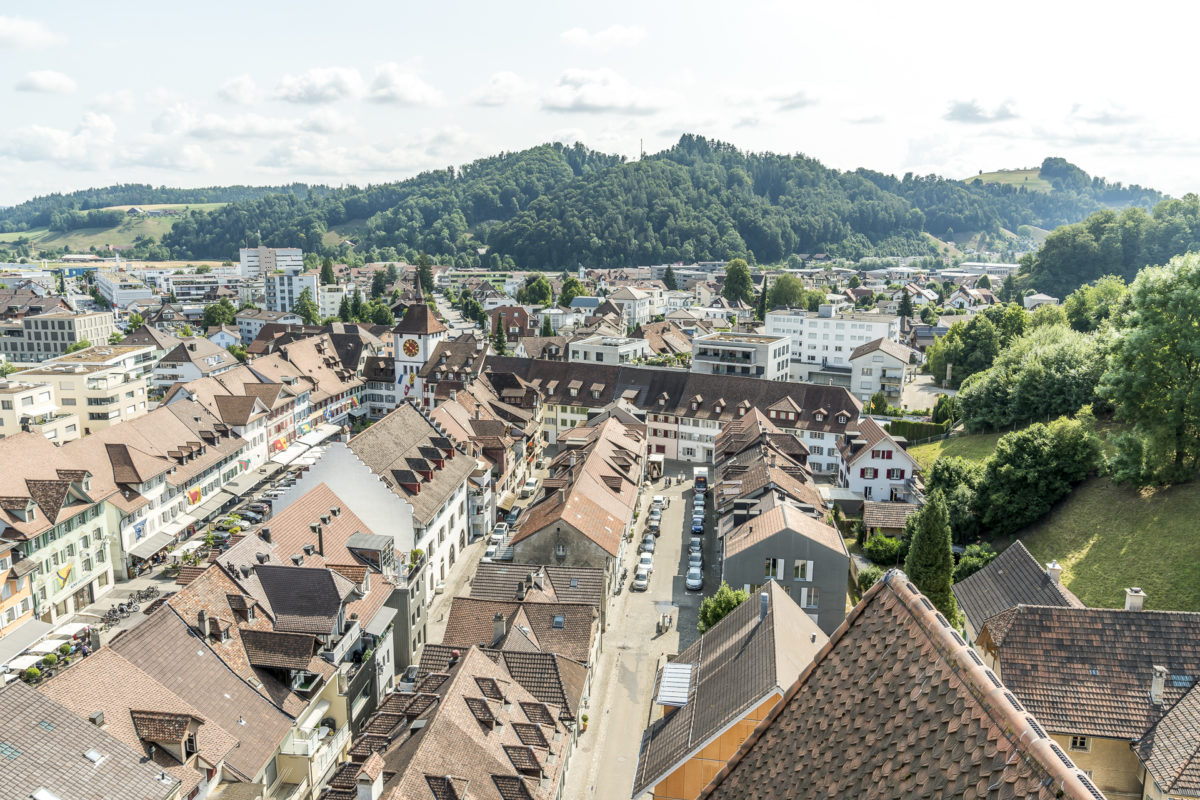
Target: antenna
[(641, 149)]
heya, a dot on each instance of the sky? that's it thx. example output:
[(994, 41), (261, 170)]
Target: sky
[(263, 92)]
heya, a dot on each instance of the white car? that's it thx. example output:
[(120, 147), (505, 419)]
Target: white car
[(498, 533), (529, 487), (641, 581), (645, 562), (694, 580), (658, 501)]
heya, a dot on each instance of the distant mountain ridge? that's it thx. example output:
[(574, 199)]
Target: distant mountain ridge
[(555, 206)]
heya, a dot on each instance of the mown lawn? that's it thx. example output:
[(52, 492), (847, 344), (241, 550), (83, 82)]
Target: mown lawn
[(1108, 538), (1029, 178), (975, 447)]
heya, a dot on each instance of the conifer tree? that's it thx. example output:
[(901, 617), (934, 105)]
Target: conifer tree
[(930, 562)]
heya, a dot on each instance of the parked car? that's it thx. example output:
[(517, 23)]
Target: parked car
[(529, 487), (697, 526), (694, 580), (512, 516), (490, 554), (498, 533), (696, 545), (654, 526), (247, 514), (658, 501), (646, 562), (655, 513), (641, 581), (695, 560), (259, 508), (226, 524), (648, 543)]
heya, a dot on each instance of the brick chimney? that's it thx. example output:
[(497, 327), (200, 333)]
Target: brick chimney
[(1054, 570), (1157, 684), (1134, 599), (499, 628)]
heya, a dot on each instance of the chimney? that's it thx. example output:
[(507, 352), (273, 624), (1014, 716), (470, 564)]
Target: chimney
[(499, 628), (97, 718), (764, 603), (321, 540), (521, 590), (453, 395), (368, 789), (202, 623), (309, 549), (1134, 599), (1157, 684), (264, 534), (262, 557), (1054, 570), (245, 570)]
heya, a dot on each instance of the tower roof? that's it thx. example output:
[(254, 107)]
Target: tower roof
[(419, 319)]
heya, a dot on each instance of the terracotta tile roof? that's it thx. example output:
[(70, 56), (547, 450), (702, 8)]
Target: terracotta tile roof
[(736, 665), (472, 622), (1171, 750), (160, 726), (458, 359), (41, 482), (188, 574), (889, 515), (887, 346), (44, 746), (498, 580), (1088, 671), (1012, 578), (897, 705), (552, 679), (761, 468), (780, 519), (870, 433), (276, 649), (419, 320)]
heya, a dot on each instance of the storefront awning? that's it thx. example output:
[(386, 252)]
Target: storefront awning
[(506, 503), (291, 454), (323, 431), (17, 642), (248, 480), (151, 545), (212, 505)]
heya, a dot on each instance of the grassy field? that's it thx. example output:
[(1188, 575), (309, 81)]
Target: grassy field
[(1107, 538), (975, 447), (347, 230), (1029, 178), (83, 239), (161, 206)]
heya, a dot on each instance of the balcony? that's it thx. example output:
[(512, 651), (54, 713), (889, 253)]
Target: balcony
[(725, 357), (336, 652), (310, 743)]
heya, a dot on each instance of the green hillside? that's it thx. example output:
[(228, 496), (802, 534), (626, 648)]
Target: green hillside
[(1030, 179)]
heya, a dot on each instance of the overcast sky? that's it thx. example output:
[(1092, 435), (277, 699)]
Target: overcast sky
[(269, 92)]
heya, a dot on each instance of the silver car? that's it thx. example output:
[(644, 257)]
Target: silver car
[(641, 581), (695, 579), (695, 560)]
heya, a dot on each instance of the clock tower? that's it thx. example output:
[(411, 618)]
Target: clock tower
[(414, 339)]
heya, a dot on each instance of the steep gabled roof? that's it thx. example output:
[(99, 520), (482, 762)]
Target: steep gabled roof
[(897, 705), (1013, 578), (1171, 750)]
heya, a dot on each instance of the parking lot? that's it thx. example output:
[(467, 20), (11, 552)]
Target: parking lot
[(634, 647)]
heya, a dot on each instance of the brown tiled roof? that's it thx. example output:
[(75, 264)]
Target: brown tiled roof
[(1012, 578), (419, 319), (276, 649), (499, 580), (552, 679), (1088, 671), (1171, 750), (471, 622), (736, 665), (188, 574), (160, 726), (779, 519), (893, 349), (897, 705), (888, 515)]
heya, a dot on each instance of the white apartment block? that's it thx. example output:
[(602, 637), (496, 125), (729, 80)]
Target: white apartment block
[(103, 384), (33, 407), (822, 341), (881, 365), (749, 355), (195, 288), (608, 350), (258, 261), (283, 289), (329, 298), (35, 339), (252, 320), (637, 305), (121, 289)]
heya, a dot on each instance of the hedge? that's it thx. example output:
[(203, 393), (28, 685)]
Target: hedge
[(916, 431)]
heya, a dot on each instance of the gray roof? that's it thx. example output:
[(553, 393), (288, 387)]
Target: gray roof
[(1013, 578), (893, 349), (164, 647), (43, 746), (737, 664), (303, 599), (369, 541), (498, 581)]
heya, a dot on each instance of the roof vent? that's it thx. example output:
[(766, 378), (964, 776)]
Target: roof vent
[(309, 549), (265, 534), (1135, 598), (325, 519), (335, 511), (262, 557), (245, 570), (297, 559), (764, 603), (96, 718)]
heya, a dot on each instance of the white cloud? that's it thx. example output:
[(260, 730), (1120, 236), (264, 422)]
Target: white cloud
[(174, 120), (26, 33), (119, 101), (971, 112), (607, 39), (240, 91), (316, 155), (501, 89), (324, 120), (46, 81), (240, 126), (792, 101), (167, 154), (320, 85), (88, 147), (600, 91), (399, 86)]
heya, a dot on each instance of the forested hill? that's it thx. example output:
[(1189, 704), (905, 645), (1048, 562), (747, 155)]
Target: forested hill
[(556, 206)]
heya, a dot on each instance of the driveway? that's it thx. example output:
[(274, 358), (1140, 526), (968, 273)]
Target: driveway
[(605, 761), (922, 392)]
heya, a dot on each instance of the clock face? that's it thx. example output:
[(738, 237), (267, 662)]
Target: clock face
[(411, 347)]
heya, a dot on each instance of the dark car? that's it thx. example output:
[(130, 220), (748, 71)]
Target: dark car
[(697, 527), (511, 516), (251, 516), (259, 508)]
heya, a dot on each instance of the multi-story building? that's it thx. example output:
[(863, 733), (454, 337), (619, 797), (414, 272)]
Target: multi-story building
[(415, 338), (33, 408), (823, 341), (192, 288), (34, 339), (751, 355), (609, 350), (881, 365), (283, 288), (637, 305), (874, 465), (252, 320), (16, 594), (192, 358), (104, 384), (259, 261), (120, 289), (329, 297)]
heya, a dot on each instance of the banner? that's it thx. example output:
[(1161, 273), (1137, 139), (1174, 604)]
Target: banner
[(279, 444), (194, 496), (62, 576), (244, 463), (139, 530)]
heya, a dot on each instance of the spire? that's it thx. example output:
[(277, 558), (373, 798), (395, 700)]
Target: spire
[(420, 291)]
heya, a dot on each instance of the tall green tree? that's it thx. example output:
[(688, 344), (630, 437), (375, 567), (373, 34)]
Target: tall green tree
[(669, 279), (499, 340), (906, 305), (327, 276), (760, 309), (136, 321), (984, 282), (1153, 375), (547, 328), (425, 273), (238, 352), (306, 308), (344, 309), (392, 274), (378, 284), (853, 283), (1089, 306), (716, 607), (930, 561), (220, 313), (738, 285), (788, 292), (537, 291), (356, 305)]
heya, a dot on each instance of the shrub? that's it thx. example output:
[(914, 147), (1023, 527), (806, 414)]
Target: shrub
[(50, 659), (32, 674), (868, 577), (973, 559), (65, 649), (885, 550)]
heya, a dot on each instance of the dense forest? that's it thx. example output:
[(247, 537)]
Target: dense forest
[(1112, 243), (555, 205)]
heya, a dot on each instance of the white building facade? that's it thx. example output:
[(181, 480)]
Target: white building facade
[(257, 261), (826, 338), (750, 355)]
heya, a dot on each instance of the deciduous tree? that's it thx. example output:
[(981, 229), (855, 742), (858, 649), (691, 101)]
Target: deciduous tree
[(305, 308), (738, 285), (716, 607)]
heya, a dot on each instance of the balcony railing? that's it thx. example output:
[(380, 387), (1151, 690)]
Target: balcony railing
[(337, 651), (309, 744), (728, 358)]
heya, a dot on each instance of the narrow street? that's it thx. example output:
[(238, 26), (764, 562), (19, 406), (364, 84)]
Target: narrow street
[(605, 762)]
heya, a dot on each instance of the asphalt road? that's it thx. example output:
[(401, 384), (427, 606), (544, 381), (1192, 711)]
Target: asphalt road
[(605, 761)]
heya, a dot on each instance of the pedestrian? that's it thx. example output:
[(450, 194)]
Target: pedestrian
[(85, 651)]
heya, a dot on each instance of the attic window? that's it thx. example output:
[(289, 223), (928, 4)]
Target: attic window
[(841, 419), (819, 417), (559, 622)]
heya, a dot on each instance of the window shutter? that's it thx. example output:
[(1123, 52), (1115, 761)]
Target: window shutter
[(810, 571), (862, 473)]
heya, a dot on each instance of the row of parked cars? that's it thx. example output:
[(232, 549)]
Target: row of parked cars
[(694, 581)]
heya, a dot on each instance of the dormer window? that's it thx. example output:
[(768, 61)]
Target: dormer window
[(574, 392), (695, 405), (841, 419), (819, 417), (189, 745)]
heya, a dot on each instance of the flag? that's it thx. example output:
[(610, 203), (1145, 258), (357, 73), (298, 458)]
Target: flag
[(244, 463), (194, 496), (139, 530)]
